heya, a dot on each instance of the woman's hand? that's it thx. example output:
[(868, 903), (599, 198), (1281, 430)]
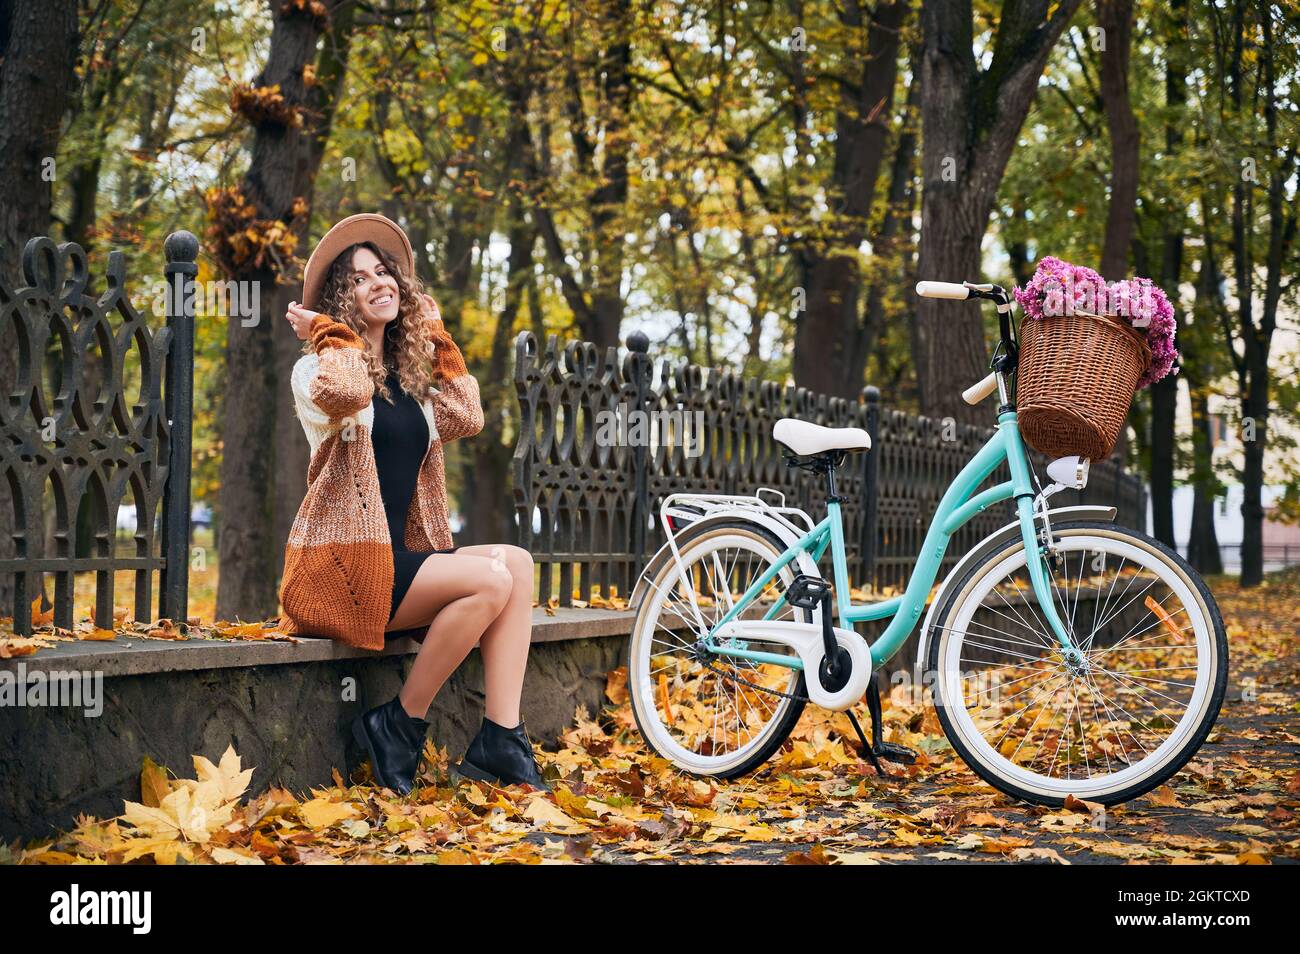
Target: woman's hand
[(300, 318), (430, 309)]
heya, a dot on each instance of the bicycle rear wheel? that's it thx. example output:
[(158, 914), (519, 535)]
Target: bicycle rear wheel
[(1037, 727), (713, 715)]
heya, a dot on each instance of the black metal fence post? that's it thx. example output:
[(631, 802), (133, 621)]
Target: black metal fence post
[(640, 365), (871, 487), (529, 389), (182, 249)]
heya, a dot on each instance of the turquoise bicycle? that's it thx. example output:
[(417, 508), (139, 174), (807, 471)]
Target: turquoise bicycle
[(1065, 656)]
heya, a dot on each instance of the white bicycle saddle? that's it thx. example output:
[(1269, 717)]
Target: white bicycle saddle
[(807, 439)]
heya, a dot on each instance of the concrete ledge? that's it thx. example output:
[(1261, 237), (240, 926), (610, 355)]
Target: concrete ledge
[(135, 657)]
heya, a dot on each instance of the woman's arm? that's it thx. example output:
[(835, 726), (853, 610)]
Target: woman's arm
[(457, 408), (341, 386)]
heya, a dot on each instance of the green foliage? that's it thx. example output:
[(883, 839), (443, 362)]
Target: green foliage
[(689, 193)]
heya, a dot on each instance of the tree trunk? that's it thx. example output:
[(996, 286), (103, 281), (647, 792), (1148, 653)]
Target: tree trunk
[(1018, 251), (970, 122), (899, 209), (594, 291), (1239, 324), (1164, 402), (276, 185), (1203, 539), (292, 452), (38, 48), (1115, 17), (490, 505), (1252, 477), (825, 357), (485, 495), (85, 191), (1164, 393)]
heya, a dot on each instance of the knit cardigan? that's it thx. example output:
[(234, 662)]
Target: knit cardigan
[(338, 562)]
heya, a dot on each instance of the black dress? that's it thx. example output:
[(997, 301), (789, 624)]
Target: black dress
[(400, 438)]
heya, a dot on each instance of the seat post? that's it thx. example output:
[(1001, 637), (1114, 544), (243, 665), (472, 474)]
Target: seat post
[(832, 461)]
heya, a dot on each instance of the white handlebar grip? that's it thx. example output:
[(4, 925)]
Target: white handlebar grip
[(942, 290), (978, 392)]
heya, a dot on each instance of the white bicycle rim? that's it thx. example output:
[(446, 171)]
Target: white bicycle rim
[(950, 677), (650, 631)]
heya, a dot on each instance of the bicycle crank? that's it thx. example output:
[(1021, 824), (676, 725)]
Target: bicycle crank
[(845, 681)]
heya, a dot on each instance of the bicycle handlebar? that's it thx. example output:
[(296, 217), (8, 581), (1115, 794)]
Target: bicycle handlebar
[(978, 392), (950, 290), (1004, 361)]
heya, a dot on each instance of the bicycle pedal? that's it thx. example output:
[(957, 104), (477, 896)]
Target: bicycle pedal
[(806, 592), (896, 753)]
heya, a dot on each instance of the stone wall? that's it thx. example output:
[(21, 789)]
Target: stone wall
[(290, 722)]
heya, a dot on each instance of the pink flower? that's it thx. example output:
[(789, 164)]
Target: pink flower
[(1059, 288)]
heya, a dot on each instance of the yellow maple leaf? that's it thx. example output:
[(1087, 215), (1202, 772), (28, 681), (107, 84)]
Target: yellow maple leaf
[(230, 781), (542, 812), (228, 856), (165, 851), (323, 813), (154, 785), (41, 618), (192, 813)]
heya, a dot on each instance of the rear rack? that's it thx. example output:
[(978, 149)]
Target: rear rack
[(705, 505), (712, 503)]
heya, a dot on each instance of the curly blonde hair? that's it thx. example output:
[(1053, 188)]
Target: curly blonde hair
[(408, 337)]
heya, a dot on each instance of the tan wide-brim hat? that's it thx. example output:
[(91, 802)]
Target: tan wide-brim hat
[(362, 227)]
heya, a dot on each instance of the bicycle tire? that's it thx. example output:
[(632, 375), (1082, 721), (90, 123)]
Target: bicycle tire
[(1161, 773)]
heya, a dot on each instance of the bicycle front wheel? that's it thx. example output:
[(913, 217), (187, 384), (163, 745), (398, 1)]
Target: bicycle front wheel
[(1040, 727)]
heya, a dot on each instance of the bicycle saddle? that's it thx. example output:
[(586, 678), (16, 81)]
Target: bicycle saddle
[(807, 439)]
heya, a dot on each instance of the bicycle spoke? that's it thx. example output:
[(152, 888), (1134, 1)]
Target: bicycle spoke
[(998, 703), (1041, 631)]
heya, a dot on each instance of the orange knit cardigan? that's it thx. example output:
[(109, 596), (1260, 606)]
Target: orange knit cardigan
[(338, 562)]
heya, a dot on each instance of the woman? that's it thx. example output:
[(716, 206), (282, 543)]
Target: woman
[(369, 556)]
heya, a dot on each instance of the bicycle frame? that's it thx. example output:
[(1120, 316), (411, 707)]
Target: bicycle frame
[(960, 503)]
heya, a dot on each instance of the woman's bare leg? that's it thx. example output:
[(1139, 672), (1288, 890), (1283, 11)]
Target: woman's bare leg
[(461, 594), (505, 643)]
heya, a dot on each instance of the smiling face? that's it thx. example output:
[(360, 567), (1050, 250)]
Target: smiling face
[(377, 296), (365, 289)]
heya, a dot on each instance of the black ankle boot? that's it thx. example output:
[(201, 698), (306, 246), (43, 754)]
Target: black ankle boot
[(394, 741), (501, 756)]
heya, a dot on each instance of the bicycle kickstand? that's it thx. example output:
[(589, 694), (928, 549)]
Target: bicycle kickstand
[(877, 747)]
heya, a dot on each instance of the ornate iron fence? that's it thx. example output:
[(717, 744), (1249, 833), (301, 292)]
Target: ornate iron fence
[(587, 507), (101, 407)]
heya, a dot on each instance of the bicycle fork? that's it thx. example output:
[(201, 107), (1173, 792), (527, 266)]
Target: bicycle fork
[(1037, 552)]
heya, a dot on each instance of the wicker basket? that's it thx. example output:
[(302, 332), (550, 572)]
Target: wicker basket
[(1077, 375)]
